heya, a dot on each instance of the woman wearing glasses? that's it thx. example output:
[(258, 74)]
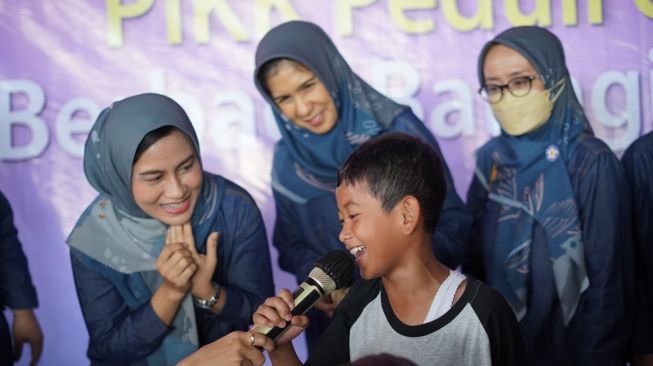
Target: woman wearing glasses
[(550, 208)]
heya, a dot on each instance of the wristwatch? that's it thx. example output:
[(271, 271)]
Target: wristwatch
[(208, 303)]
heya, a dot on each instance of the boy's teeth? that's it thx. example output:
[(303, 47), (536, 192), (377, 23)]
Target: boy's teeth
[(357, 250)]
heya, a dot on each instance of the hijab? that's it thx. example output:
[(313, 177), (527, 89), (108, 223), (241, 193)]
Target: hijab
[(362, 111), (115, 232), (527, 176)]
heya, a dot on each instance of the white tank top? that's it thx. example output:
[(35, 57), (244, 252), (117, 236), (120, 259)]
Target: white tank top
[(443, 300)]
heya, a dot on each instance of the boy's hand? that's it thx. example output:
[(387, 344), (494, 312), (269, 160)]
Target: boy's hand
[(276, 312), (326, 304), (338, 295), (329, 302)]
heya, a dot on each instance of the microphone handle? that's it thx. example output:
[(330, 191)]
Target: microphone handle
[(307, 294)]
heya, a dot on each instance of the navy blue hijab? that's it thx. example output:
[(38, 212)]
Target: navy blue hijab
[(363, 112), (527, 175)]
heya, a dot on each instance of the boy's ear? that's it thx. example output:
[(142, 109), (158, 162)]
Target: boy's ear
[(410, 212)]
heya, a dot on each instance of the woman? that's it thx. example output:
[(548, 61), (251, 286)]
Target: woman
[(152, 280), (324, 112), (550, 207), (17, 293), (638, 164)]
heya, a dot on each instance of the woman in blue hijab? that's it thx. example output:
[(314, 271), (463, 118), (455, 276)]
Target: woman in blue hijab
[(551, 208), (324, 112), (638, 163), (168, 257)]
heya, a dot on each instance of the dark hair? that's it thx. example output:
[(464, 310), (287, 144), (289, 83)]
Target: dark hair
[(270, 68), (154, 136), (396, 165)]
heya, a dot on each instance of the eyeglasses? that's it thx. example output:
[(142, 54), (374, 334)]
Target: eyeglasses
[(519, 87)]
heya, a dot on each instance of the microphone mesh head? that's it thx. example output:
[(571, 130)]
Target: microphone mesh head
[(324, 280), (333, 271)]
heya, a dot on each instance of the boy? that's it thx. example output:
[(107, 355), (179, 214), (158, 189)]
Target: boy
[(389, 195)]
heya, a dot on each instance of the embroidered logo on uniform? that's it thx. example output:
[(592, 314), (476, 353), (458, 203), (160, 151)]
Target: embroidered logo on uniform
[(493, 173), (552, 153)]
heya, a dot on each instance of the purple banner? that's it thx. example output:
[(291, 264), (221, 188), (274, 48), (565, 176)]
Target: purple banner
[(63, 61)]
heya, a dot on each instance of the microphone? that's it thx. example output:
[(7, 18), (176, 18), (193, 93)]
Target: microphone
[(331, 272)]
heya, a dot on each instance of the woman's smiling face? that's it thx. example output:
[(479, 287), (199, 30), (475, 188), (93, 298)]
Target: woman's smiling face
[(301, 96), (167, 178)]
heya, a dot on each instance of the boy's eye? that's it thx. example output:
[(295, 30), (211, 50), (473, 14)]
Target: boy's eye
[(348, 217)]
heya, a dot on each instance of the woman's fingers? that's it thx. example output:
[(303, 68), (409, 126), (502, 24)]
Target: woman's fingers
[(168, 251), (187, 273), (174, 234), (259, 340), (176, 264), (168, 239), (249, 350), (212, 249), (186, 233), (182, 254), (180, 274)]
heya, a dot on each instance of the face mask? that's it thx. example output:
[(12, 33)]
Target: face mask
[(520, 115)]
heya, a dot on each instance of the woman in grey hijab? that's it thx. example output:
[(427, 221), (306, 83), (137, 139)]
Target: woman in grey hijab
[(168, 257)]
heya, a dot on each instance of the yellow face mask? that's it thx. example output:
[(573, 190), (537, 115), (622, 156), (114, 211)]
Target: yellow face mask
[(520, 115)]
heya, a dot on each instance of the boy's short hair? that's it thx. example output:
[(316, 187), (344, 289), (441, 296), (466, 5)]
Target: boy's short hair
[(395, 165)]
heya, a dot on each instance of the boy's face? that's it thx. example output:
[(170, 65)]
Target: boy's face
[(369, 233)]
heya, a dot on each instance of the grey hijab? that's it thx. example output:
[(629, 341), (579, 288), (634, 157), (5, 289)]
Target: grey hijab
[(113, 230), (111, 145)]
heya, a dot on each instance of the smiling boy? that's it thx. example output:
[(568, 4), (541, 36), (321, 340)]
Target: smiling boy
[(390, 193)]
